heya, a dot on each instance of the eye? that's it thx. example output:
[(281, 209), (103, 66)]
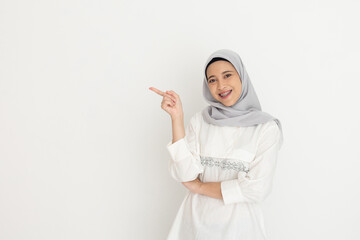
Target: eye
[(210, 80), (228, 75)]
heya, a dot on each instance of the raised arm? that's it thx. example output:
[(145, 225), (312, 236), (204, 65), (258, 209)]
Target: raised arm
[(178, 130), (185, 164)]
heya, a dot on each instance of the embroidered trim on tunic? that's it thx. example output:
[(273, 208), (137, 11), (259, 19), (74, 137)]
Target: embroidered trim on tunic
[(224, 163)]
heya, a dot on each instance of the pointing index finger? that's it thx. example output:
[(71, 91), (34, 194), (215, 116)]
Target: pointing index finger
[(157, 91)]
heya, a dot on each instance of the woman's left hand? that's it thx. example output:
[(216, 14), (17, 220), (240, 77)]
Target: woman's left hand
[(194, 185)]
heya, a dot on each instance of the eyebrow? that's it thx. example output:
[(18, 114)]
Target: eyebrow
[(222, 73)]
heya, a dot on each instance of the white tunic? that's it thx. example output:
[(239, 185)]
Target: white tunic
[(243, 159)]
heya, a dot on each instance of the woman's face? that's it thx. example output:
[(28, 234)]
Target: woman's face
[(223, 77)]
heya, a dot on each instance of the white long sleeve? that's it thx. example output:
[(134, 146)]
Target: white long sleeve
[(185, 164), (242, 160), (255, 185)]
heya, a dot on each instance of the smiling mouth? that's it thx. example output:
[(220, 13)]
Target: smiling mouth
[(223, 96)]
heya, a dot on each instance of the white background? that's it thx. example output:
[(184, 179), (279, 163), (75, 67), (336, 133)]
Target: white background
[(83, 140)]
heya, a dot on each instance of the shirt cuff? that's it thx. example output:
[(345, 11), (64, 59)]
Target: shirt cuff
[(178, 150), (231, 191)]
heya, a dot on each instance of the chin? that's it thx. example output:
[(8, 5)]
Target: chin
[(226, 104)]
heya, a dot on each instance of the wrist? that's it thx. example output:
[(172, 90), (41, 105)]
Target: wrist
[(178, 118), (200, 188)]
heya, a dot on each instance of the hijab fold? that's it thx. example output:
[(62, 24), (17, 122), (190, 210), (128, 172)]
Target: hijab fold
[(247, 109)]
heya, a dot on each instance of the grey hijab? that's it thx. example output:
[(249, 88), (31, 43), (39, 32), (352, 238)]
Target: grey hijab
[(246, 111)]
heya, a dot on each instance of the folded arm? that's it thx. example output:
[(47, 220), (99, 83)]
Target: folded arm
[(255, 185)]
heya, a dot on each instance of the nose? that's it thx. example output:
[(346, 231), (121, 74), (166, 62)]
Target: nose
[(220, 85)]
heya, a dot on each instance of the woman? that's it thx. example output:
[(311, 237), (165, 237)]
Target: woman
[(226, 156)]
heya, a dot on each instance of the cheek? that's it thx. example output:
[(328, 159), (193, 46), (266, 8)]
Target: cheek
[(213, 92)]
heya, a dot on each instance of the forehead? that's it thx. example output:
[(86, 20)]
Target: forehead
[(219, 66)]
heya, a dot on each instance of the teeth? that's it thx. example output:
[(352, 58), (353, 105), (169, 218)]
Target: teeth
[(224, 95)]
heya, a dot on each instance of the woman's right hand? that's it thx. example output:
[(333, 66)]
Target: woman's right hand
[(171, 103)]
